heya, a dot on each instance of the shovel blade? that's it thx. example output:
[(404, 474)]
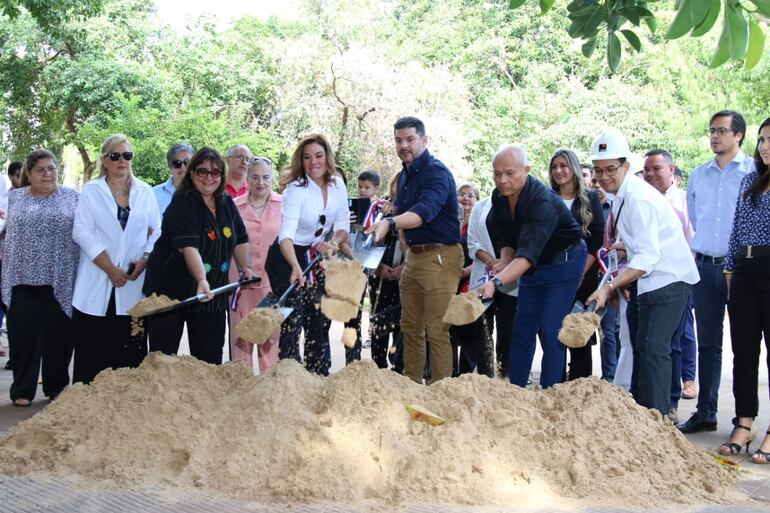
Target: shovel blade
[(268, 301), (369, 257), (578, 307)]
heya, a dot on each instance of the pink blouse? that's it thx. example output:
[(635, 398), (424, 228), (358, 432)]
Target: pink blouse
[(262, 231)]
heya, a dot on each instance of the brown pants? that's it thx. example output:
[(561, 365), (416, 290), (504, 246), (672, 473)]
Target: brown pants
[(428, 282)]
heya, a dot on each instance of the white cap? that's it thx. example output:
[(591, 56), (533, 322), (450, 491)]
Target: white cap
[(610, 145)]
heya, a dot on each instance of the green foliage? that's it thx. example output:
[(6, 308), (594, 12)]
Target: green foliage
[(51, 13)]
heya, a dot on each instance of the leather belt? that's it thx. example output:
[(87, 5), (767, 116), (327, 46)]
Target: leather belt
[(423, 248), (753, 251), (710, 259)]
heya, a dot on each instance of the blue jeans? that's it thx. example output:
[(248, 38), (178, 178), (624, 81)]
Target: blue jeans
[(687, 343), (608, 347), (660, 312), (709, 297), (545, 296)]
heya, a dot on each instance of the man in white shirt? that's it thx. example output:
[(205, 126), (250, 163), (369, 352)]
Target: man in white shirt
[(712, 194), (658, 257)]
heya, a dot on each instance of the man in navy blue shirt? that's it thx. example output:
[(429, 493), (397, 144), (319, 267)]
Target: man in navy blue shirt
[(429, 220)]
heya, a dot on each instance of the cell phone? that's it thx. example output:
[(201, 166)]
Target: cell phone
[(359, 207), (131, 268)]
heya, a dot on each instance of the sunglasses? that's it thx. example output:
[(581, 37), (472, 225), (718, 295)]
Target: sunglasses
[(214, 173), (115, 156), (176, 163), (261, 159), (321, 223)]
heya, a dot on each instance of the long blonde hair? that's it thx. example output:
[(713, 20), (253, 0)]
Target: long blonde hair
[(586, 216), (108, 145)]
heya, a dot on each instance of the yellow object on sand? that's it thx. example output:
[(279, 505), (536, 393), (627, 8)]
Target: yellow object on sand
[(424, 415)]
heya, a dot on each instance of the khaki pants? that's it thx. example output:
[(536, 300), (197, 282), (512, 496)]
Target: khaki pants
[(428, 282)]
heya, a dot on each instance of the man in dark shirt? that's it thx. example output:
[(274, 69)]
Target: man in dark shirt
[(548, 262), (430, 223)]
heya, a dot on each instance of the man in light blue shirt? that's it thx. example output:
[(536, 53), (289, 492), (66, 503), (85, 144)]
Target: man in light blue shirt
[(177, 158), (712, 193)]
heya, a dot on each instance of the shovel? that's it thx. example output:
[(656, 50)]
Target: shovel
[(271, 301), (365, 251), (200, 297), (579, 307)]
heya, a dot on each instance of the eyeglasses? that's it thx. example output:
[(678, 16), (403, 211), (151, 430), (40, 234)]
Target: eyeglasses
[(718, 130), (214, 173), (241, 158), (321, 222), (466, 195), (115, 156), (176, 163), (50, 170), (609, 171)]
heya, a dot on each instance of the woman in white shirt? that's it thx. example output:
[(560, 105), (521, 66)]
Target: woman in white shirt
[(314, 201), (116, 225)]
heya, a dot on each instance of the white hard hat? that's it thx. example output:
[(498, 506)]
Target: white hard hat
[(609, 145), (636, 163)]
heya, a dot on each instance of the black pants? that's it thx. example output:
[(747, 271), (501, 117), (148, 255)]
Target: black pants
[(475, 343), (353, 354), (386, 305), (106, 343), (38, 330), (749, 309), (504, 309), (205, 333), (580, 358)]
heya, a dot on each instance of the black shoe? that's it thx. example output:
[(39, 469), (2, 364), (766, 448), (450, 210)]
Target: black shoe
[(696, 424)]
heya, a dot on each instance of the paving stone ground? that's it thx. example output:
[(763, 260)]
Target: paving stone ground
[(40, 493)]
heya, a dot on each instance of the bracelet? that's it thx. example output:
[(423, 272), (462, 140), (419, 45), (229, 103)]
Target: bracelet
[(145, 255), (725, 271), (612, 287)]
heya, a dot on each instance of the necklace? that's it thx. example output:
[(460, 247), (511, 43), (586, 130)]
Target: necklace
[(257, 208), (122, 192)]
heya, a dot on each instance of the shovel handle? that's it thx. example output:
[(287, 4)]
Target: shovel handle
[(370, 239), (294, 284)]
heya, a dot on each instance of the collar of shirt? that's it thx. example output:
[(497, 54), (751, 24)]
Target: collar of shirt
[(737, 160), (169, 185), (418, 163)]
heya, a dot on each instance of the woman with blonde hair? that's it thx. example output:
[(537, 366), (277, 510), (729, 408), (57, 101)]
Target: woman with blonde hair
[(315, 202), (116, 225), (567, 180)]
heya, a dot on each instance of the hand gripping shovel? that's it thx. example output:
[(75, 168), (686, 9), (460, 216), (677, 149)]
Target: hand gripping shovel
[(200, 297), (579, 307), (366, 251), (271, 301)]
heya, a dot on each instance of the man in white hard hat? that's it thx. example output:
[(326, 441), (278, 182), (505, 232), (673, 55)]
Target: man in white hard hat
[(659, 260)]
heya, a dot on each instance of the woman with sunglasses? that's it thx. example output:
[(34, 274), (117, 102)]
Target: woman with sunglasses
[(177, 158), (260, 210), (40, 263), (116, 225), (314, 201), (202, 232)]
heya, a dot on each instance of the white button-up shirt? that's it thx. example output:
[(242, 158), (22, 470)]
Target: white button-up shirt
[(97, 229), (302, 208), (678, 200), (712, 195), (653, 236)]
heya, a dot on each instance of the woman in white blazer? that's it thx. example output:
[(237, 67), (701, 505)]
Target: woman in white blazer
[(116, 225)]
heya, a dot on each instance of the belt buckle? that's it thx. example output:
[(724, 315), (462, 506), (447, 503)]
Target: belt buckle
[(748, 252)]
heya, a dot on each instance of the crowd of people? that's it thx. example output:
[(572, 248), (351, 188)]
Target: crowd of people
[(662, 264)]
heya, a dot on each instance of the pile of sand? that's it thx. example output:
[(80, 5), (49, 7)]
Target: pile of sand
[(344, 285), (149, 304), (291, 436), (464, 309), (259, 324), (577, 328)]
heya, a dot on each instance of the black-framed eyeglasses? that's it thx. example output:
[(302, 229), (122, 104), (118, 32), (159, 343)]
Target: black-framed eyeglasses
[(177, 163), (214, 173), (722, 130), (115, 156), (321, 222), (609, 170)]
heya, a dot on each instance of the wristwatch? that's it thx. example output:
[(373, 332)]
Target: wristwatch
[(391, 223), (498, 282)]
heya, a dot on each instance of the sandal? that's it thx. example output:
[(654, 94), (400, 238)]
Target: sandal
[(762, 454), (732, 448), (21, 402)]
